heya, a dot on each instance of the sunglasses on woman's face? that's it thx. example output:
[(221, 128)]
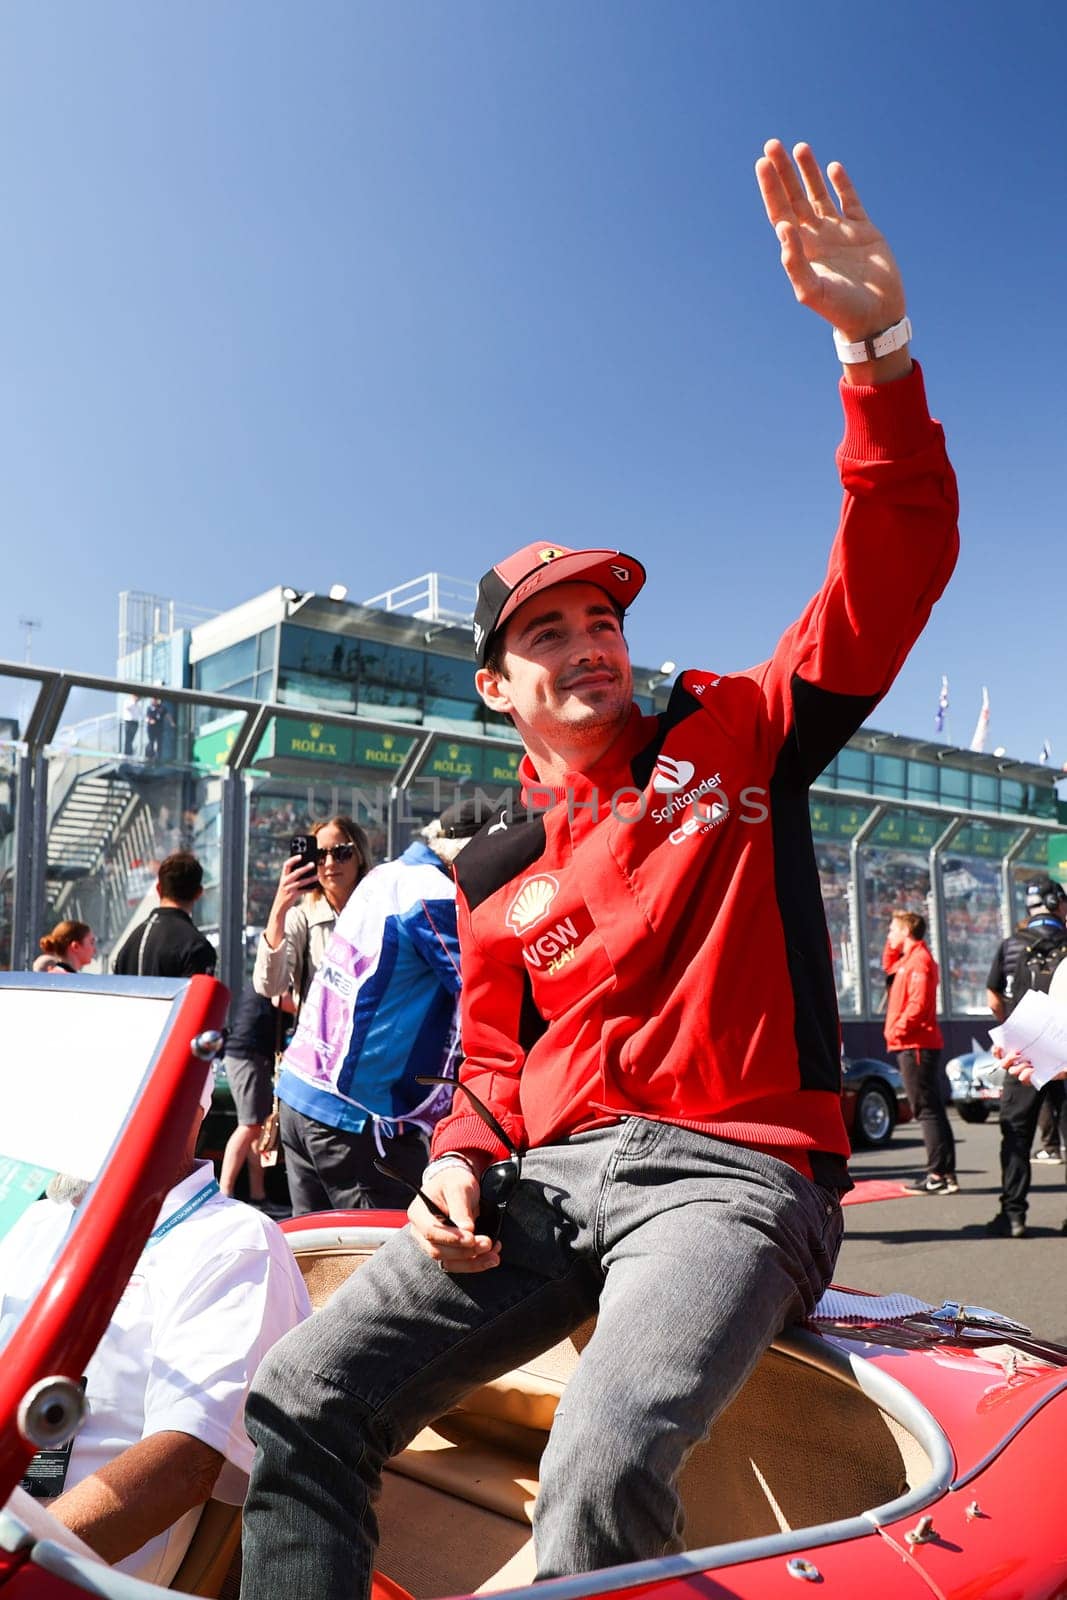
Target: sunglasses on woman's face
[(340, 852), (498, 1181)]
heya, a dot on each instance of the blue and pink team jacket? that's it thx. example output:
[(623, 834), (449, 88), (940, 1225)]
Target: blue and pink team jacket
[(382, 1007)]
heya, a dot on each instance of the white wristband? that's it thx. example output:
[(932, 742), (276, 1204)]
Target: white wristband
[(880, 344), (451, 1158)]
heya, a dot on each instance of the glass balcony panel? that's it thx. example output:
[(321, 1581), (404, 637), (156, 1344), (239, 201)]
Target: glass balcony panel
[(832, 858), (985, 792), (391, 676), (890, 775), (313, 692), (894, 879), (853, 769), (955, 787), (110, 823), (971, 894), (922, 780), (220, 673)]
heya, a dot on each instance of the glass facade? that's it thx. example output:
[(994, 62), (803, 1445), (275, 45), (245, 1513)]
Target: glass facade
[(970, 896), (895, 878), (317, 670), (935, 782), (369, 677), (245, 668), (392, 682), (835, 877)]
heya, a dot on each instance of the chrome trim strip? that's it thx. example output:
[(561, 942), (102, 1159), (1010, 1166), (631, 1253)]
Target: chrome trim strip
[(338, 1239)]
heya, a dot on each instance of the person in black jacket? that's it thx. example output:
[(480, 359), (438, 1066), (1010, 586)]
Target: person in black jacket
[(1045, 929), (168, 944)]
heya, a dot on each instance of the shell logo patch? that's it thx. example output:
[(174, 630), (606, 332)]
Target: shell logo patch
[(532, 902)]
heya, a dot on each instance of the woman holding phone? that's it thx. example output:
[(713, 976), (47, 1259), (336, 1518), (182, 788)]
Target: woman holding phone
[(313, 890)]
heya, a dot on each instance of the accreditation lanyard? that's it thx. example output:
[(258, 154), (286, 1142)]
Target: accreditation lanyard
[(200, 1198)]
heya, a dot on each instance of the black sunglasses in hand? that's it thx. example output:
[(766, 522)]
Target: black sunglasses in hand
[(498, 1181), (412, 1188)]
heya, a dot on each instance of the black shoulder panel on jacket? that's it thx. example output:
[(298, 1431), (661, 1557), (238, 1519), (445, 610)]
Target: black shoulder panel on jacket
[(499, 853), (644, 761), (680, 706), (531, 1023), (823, 722)]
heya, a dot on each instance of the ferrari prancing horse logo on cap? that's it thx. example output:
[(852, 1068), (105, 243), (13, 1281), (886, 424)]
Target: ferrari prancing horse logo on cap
[(549, 553)]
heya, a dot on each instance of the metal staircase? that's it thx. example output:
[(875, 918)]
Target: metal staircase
[(92, 820)]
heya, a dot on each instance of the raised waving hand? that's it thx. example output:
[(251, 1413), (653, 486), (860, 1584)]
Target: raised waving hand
[(838, 263)]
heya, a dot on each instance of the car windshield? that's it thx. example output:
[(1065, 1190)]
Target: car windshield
[(89, 1072)]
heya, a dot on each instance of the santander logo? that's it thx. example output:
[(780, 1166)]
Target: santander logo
[(670, 775)]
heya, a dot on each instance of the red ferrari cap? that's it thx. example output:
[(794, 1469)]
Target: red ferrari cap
[(512, 581)]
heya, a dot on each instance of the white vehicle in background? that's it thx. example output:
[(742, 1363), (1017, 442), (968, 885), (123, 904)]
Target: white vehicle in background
[(976, 1080)]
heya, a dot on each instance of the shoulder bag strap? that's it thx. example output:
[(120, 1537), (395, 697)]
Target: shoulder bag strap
[(145, 931), (302, 965)]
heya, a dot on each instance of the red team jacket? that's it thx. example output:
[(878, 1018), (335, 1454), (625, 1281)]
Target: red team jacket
[(653, 942), (911, 1009)]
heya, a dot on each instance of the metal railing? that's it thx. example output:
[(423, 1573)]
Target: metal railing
[(47, 768), (125, 834), (433, 598)]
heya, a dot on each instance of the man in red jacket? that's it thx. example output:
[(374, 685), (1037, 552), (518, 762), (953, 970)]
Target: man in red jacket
[(648, 1010), (912, 1033)]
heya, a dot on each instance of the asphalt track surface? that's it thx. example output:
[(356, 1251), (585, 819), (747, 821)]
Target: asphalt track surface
[(934, 1246)]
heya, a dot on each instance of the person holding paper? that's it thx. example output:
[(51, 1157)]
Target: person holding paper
[(1039, 954), (912, 1033)]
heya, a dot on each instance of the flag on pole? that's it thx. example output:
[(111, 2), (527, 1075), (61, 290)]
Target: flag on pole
[(1046, 751), (981, 727), (942, 706)]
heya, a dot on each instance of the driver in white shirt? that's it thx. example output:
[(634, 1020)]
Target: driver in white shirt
[(215, 1286)]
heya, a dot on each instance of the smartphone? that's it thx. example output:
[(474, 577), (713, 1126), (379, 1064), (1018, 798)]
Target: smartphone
[(305, 845)]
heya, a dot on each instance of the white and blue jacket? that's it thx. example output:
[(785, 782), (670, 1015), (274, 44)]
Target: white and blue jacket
[(381, 1009)]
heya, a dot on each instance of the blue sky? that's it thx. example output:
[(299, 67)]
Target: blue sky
[(345, 292)]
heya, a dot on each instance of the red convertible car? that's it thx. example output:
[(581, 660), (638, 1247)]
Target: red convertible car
[(884, 1449)]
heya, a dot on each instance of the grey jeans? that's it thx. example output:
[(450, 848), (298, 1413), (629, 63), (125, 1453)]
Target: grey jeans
[(694, 1254)]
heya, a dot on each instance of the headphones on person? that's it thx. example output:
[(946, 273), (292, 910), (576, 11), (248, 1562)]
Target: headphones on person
[(1045, 893)]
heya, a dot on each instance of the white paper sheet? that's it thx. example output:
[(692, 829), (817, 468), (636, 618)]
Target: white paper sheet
[(1037, 1029)]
